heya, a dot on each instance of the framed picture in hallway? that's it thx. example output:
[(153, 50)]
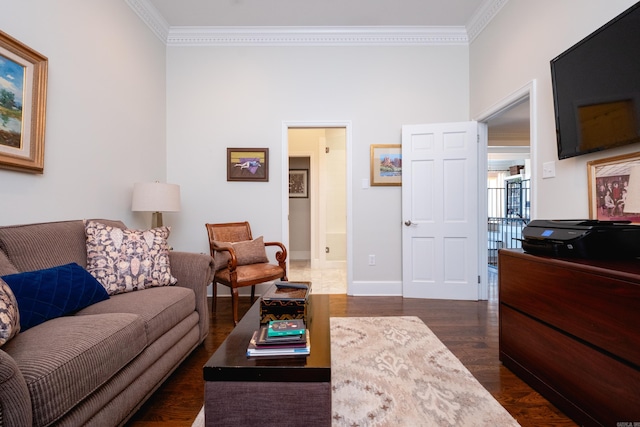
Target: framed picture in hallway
[(23, 100), (298, 183), (248, 164), (386, 165), (608, 185)]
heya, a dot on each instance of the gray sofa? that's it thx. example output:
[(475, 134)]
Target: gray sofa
[(99, 365)]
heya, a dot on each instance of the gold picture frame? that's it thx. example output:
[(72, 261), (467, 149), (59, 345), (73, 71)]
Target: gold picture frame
[(386, 165), (608, 178), (23, 100)]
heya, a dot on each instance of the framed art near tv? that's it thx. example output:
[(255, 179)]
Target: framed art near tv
[(608, 182), (23, 100), (386, 164), (298, 183), (248, 164)]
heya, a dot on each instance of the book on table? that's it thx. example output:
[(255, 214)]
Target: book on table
[(261, 345), (278, 328)]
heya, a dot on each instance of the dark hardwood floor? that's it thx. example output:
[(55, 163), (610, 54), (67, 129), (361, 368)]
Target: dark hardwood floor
[(469, 329)]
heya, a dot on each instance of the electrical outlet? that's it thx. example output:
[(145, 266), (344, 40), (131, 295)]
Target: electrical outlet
[(372, 260)]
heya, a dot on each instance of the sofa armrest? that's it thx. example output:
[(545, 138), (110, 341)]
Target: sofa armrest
[(194, 271), (15, 401)]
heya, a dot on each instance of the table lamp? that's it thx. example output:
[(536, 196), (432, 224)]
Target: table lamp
[(156, 197), (632, 201)]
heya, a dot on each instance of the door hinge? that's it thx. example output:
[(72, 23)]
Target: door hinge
[(479, 280), (326, 150)]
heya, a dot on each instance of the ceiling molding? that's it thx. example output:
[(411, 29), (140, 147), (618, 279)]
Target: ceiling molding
[(485, 13), (150, 16), (315, 36)]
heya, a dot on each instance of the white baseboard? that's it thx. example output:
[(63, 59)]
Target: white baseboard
[(393, 288), (299, 255)]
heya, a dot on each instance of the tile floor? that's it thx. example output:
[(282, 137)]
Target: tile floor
[(325, 281)]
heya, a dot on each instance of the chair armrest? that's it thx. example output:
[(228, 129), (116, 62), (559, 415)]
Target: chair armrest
[(15, 401), (233, 259), (194, 271), (281, 255)]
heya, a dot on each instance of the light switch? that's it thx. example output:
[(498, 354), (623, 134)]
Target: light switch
[(549, 170)]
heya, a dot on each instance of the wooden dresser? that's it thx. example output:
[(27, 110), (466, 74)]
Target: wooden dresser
[(571, 329)]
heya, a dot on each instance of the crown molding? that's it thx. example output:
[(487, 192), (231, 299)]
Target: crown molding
[(485, 13), (150, 16), (316, 36)]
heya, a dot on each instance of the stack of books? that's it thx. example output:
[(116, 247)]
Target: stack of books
[(280, 338)]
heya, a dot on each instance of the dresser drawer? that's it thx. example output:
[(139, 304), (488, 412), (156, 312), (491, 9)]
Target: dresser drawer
[(596, 307)]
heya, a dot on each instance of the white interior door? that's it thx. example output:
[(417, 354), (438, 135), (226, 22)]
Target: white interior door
[(440, 210)]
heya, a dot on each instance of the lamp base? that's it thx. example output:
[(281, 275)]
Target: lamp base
[(156, 219)]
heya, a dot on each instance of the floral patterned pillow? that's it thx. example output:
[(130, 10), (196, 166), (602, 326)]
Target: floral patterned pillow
[(128, 260), (9, 314)]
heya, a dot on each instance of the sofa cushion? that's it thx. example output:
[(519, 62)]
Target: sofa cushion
[(9, 314), (53, 292), (247, 252), (6, 267), (65, 359), (32, 247), (160, 308), (128, 260)]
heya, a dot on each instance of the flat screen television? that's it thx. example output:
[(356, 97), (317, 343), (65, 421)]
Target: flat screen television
[(596, 88)]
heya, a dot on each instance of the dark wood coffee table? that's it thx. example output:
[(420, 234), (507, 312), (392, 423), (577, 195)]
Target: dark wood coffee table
[(284, 391)]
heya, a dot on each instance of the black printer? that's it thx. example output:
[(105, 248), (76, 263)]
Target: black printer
[(582, 238)]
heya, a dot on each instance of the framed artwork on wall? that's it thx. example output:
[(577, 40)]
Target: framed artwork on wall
[(386, 164), (608, 185), (248, 164), (298, 183), (23, 100)]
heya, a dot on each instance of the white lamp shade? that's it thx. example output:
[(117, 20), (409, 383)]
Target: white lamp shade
[(632, 201), (155, 197)]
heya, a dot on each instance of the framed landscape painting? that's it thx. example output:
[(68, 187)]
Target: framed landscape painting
[(248, 164), (23, 96), (608, 182), (386, 164)]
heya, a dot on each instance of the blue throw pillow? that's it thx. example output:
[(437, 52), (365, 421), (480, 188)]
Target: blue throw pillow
[(53, 292)]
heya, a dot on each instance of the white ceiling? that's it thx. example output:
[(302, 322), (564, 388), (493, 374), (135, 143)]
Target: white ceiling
[(225, 13)]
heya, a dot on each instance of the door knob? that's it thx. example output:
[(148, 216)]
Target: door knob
[(408, 222)]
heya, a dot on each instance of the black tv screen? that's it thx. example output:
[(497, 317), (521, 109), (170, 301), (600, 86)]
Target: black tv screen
[(596, 88)]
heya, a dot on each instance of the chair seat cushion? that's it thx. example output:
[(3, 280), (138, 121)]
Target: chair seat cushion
[(248, 274)]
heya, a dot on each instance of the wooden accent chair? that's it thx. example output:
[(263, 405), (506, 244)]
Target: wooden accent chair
[(242, 261)]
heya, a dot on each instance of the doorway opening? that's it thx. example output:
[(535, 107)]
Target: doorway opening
[(508, 179), (510, 172), (318, 204)]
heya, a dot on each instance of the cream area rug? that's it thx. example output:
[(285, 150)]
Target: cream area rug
[(394, 371)]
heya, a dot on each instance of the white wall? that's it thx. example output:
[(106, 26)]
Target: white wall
[(515, 49), (105, 119), (221, 97)]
